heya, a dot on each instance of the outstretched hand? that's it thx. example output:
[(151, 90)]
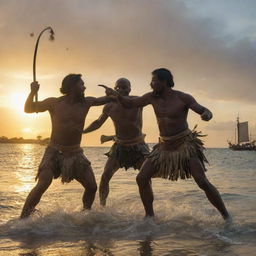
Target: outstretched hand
[(109, 91)]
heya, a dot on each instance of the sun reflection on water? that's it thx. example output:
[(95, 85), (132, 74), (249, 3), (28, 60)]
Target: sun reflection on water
[(25, 168)]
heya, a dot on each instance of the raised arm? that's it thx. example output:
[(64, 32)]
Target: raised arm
[(134, 102), (204, 112), (97, 123), (101, 100), (128, 102), (40, 106)]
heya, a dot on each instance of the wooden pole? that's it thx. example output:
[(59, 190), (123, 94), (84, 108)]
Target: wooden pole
[(35, 55)]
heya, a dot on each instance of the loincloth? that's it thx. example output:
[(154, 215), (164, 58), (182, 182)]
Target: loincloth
[(64, 161), (129, 153), (171, 156)]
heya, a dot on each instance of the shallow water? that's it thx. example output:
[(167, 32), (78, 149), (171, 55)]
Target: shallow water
[(186, 223)]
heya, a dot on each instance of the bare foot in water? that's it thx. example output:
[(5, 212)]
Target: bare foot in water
[(150, 217), (228, 221), (29, 213)]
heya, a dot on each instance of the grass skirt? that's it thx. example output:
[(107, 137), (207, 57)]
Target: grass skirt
[(64, 163), (171, 155)]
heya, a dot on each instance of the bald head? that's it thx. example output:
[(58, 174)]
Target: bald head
[(123, 81), (123, 86)]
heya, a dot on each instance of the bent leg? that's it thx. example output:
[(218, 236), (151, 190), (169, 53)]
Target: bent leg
[(87, 179), (211, 192), (144, 182), (44, 181), (140, 163), (110, 168)]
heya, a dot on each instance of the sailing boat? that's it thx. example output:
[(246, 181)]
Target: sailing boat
[(243, 141)]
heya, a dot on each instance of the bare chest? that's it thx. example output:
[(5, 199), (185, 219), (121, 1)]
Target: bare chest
[(70, 113), (120, 114), (172, 107)]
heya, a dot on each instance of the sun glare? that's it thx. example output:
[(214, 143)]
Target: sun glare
[(26, 130), (17, 101)]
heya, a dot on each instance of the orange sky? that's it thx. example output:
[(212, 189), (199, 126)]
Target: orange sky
[(211, 57)]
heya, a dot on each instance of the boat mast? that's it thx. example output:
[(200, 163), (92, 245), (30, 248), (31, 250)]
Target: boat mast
[(237, 120)]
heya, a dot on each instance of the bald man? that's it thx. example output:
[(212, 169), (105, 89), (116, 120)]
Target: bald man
[(129, 148)]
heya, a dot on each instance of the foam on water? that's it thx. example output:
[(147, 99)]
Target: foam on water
[(66, 224)]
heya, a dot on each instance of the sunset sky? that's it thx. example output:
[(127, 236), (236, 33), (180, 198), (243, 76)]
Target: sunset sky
[(209, 45)]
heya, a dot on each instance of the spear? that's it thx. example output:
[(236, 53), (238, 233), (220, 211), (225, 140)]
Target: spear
[(51, 38)]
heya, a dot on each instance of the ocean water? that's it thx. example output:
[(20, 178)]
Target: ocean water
[(186, 223)]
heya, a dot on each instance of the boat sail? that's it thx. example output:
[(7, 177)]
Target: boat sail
[(242, 139), (243, 132)]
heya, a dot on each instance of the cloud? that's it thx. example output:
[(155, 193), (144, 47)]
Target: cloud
[(134, 37), (221, 126), (110, 39)]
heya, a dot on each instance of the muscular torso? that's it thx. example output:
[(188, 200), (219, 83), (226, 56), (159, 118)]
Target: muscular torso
[(68, 121), (127, 122), (171, 112)]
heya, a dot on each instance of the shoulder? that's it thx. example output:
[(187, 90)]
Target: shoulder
[(107, 107), (185, 97), (149, 96), (136, 97), (47, 104), (89, 100), (50, 101)]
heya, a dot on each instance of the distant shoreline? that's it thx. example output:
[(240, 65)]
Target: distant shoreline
[(92, 146), (20, 140)]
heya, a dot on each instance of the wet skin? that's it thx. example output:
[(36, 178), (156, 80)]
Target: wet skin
[(68, 115), (127, 124), (171, 109)]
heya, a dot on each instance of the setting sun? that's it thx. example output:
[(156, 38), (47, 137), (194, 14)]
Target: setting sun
[(26, 130), (161, 163), (17, 101)]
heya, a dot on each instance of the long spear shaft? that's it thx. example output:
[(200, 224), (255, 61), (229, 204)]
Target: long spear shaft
[(35, 54)]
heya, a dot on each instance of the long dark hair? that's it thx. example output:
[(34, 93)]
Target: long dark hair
[(164, 74), (68, 82)]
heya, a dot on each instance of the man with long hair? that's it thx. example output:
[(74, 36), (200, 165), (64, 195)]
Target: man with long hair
[(179, 153), (63, 156)]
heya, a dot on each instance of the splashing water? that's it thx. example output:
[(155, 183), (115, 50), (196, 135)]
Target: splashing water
[(185, 223)]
